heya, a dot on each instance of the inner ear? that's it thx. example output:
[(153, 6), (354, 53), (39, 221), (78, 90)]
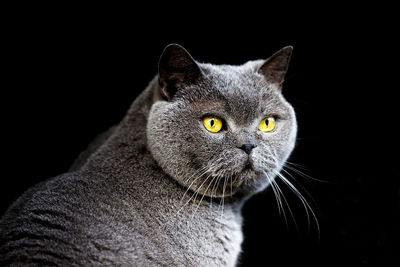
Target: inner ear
[(176, 69), (274, 68)]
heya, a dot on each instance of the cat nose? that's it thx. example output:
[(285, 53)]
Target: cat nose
[(247, 148)]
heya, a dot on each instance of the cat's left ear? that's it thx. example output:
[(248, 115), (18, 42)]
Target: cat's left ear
[(176, 69), (274, 68)]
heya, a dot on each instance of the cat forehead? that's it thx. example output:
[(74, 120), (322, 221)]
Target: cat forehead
[(224, 76), (242, 81), (238, 91), (242, 110)]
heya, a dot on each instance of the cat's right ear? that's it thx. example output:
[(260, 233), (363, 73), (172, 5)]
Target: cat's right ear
[(176, 69)]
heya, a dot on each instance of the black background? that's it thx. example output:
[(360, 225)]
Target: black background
[(72, 72)]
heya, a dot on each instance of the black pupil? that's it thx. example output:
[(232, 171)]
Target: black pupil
[(266, 122), (212, 123)]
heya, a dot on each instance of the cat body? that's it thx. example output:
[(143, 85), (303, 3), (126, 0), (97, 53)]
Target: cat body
[(159, 189)]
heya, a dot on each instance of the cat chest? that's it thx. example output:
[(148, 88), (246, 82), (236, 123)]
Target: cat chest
[(208, 246)]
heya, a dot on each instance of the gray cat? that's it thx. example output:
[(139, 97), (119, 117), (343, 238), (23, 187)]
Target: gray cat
[(166, 186)]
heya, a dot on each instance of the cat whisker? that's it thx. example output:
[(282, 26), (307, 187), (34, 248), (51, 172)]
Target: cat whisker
[(217, 167), (236, 178), (296, 165), (304, 175), (223, 196), (303, 200), (209, 170), (219, 174), (198, 190), (302, 187), (311, 198), (203, 171), (222, 200), (278, 193), (214, 187), (206, 168), (215, 170), (230, 177)]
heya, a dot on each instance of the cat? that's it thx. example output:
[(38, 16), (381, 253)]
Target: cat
[(164, 187)]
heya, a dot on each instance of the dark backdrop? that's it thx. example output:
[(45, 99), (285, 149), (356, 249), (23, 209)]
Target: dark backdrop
[(71, 74)]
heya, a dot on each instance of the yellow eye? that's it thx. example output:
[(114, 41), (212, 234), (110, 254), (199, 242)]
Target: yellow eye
[(212, 124), (267, 124)]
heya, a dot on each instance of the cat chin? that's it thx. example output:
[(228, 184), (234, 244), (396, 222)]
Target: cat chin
[(251, 185), (247, 182)]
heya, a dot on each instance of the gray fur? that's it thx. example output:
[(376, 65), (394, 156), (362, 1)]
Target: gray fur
[(92, 147), (158, 189)]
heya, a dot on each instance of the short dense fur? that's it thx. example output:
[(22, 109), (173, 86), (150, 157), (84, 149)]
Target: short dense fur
[(159, 189)]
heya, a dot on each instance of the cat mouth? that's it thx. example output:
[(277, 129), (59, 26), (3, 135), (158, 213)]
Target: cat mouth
[(249, 165), (226, 182)]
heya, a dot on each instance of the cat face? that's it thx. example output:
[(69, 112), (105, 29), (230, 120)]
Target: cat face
[(221, 129)]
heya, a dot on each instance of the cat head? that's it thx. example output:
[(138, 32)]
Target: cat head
[(221, 129)]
